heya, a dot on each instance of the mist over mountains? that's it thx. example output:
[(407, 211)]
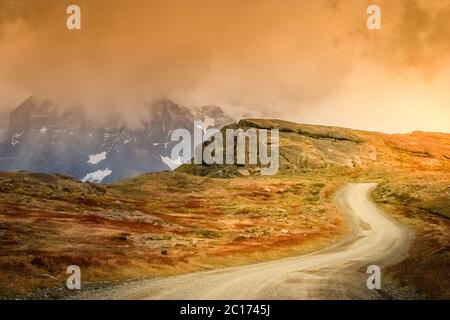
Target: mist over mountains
[(40, 136)]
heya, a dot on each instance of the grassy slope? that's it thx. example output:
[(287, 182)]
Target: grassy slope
[(168, 223), (421, 200), (156, 224)]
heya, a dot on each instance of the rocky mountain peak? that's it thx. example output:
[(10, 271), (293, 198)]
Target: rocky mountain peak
[(42, 136)]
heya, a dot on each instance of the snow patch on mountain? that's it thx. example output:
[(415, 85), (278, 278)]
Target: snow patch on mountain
[(97, 176), (97, 158)]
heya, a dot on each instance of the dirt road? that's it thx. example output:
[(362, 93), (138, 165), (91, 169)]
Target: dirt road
[(337, 272)]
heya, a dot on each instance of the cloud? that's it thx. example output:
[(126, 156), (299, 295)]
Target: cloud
[(418, 38), (251, 53), (281, 58)]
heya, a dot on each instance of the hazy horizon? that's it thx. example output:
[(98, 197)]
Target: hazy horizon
[(300, 61)]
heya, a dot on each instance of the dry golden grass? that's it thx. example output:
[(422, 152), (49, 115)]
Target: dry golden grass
[(421, 200), (171, 223), (158, 224)]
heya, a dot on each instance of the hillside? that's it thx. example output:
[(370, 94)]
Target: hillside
[(155, 224), (175, 222), (308, 147)]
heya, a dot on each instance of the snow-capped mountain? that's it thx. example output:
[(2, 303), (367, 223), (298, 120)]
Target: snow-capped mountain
[(42, 137)]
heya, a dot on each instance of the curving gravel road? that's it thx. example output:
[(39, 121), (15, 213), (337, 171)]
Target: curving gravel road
[(337, 272)]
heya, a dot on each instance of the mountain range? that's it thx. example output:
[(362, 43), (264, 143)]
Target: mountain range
[(39, 136)]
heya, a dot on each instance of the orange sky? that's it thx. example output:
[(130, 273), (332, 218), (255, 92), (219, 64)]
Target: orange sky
[(308, 61)]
